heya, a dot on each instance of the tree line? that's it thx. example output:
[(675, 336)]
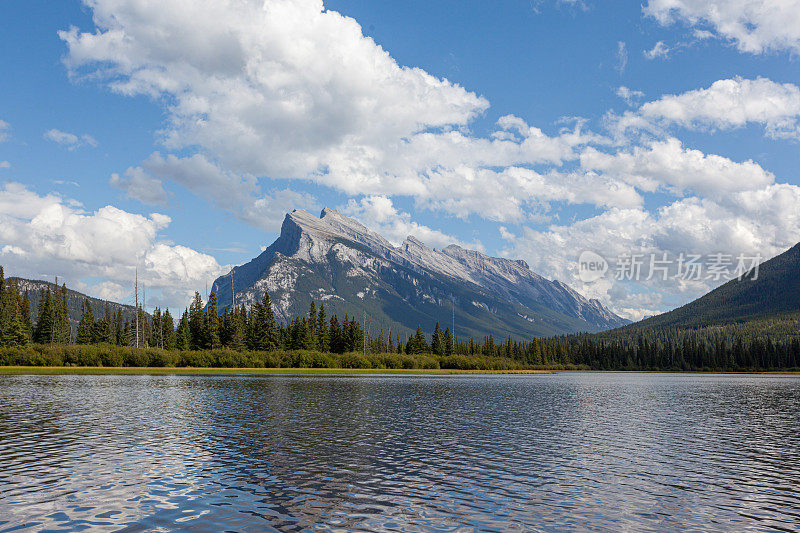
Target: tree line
[(767, 343)]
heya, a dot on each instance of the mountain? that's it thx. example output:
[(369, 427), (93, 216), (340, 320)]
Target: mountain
[(336, 260), (775, 290), (74, 301)]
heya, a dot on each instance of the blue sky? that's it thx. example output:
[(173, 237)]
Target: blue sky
[(220, 120)]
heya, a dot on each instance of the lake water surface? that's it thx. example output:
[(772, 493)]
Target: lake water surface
[(605, 452)]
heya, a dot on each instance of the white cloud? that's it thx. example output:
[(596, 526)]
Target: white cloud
[(108, 290), (239, 194), (47, 235), (379, 214), (765, 221), (69, 140), (660, 50), (726, 104), (283, 89), (5, 128), (754, 26), (279, 88), (140, 185), (629, 95), (667, 165), (5, 164), (622, 56)]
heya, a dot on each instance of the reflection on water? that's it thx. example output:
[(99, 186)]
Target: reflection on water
[(546, 452)]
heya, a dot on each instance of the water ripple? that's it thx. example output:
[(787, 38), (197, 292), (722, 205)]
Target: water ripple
[(568, 452)]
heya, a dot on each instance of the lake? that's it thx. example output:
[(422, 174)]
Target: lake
[(571, 451)]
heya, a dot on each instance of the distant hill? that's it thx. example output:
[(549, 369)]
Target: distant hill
[(74, 301), (775, 291), (336, 260)]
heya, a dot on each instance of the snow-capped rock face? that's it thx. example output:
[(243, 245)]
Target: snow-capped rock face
[(335, 259)]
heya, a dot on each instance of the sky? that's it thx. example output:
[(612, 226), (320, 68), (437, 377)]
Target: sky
[(172, 137)]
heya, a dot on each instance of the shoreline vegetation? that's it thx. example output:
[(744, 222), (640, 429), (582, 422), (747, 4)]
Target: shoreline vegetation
[(227, 371), (121, 357), (252, 338)]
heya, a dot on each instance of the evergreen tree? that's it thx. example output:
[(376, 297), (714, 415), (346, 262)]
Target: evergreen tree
[(119, 337), (196, 323), (323, 343), (86, 326), (263, 326), (237, 328), (212, 323), (335, 336), (167, 331), (25, 310), (62, 331), (448, 342), (437, 344), (104, 330), (183, 334), (311, 328), (43, 332), (13, 332)]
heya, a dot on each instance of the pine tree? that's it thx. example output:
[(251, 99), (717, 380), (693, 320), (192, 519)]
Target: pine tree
[(105, 329), (13, 333), (62, 331), (323, 344), (263, 326), (167, 331), (119, 329), (86, 327), (43, 332), (196, 323), (183, 334), (448, 342), (237, 328), (211, 336), (335, 335), (25, 310), (437, 346), (311, 327)]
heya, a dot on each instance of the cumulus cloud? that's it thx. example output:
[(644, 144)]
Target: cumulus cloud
[(753, 26), (763, 222), (46, 235), (726, 104), (280, 88), (286, 89), (379, 214), (69, 140), (667, 165), (5, 131), (140, 185)]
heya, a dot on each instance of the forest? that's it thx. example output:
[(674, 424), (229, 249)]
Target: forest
[(252, 337)]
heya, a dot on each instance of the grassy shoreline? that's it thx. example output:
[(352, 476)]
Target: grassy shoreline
[(233, 371), (127, 370)]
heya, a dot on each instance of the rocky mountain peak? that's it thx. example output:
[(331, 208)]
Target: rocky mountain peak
[(338, 260)]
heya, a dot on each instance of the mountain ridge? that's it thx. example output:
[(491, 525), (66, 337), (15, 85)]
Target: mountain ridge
[(339, 261), (775, 290)]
